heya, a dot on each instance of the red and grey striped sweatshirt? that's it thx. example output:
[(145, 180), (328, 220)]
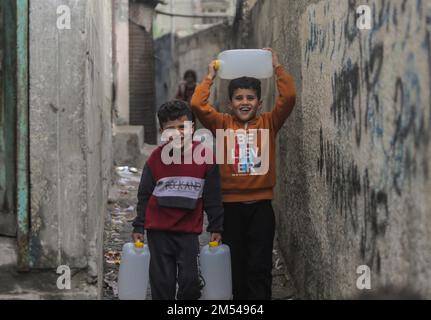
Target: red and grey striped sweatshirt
[(173, 197)]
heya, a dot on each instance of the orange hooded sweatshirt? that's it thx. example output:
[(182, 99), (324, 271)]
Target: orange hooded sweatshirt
[(245, 186)]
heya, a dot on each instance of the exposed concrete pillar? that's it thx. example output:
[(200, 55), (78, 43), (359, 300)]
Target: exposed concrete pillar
[(70, 133), (121, 60)]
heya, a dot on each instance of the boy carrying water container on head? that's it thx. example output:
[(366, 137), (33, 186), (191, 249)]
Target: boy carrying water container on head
[(248, 173), (171, 201)]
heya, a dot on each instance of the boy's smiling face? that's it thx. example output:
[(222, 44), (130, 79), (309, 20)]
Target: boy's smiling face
[(245, 104), (180, 125)]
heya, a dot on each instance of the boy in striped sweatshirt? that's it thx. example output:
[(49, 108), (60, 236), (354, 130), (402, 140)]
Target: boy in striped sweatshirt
[(171, 201)]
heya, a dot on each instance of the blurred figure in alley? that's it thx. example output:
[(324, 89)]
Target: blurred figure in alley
[(187, 87)]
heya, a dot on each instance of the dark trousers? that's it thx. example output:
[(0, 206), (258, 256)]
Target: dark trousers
[(249, 232), (174, 258)]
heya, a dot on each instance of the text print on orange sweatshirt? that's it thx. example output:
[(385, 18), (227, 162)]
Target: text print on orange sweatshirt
[(247, 187)]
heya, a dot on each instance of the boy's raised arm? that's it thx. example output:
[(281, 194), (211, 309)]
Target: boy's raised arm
[(286, 98), (286, 93), (206, 113)]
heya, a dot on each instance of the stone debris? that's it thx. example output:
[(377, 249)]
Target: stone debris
[(111, 280), (113, 257), (133, 170)]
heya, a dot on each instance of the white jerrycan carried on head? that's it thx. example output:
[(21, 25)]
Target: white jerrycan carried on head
[(255, 63), (216, 271), (133, 275)]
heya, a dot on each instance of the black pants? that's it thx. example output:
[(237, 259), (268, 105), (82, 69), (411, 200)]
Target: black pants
[(249, 232), (174, 258)]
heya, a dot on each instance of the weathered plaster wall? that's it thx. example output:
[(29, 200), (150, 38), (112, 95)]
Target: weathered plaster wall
[(353, 157), (70, 133)]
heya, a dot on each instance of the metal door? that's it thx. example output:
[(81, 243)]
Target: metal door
[(14, 124), (8, 218)]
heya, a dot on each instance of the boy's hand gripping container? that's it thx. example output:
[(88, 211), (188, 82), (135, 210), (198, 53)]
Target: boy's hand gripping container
[(133, 274), (256, 63), (216, 271)]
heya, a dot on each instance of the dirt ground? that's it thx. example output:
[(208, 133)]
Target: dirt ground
[(118, 228)]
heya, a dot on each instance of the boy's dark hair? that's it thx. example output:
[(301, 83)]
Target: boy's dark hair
[(245, 83), (173, 110), (190, 73)]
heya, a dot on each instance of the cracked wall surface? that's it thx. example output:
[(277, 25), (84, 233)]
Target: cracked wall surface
[(70, 133), (353, 165)]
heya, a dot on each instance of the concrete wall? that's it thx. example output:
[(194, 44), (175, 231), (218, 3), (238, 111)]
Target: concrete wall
[(193, 52), (98, 117), (70, 133), (196, 52), (353, 164), (165, 69), (378, 116), (121, 60), (164, 24)]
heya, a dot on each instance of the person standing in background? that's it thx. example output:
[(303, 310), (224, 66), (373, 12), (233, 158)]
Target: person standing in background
[(187, 87)]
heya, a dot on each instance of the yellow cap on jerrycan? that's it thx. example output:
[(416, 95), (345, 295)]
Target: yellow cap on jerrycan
[(139, 244), (217, 64), (213, 244)]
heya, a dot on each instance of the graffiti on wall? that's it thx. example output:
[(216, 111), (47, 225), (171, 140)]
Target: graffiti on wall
[(350, 190), (380, 85)]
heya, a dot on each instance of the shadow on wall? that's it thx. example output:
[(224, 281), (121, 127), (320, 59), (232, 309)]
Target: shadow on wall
[(390, 293)]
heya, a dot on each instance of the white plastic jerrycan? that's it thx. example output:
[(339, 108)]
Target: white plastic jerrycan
[(216, 271), (256, 63), (133, 274)]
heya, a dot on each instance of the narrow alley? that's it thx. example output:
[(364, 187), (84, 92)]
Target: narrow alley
[(345, 97)]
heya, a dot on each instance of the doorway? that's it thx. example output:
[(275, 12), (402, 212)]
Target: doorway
[(14, 155)]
